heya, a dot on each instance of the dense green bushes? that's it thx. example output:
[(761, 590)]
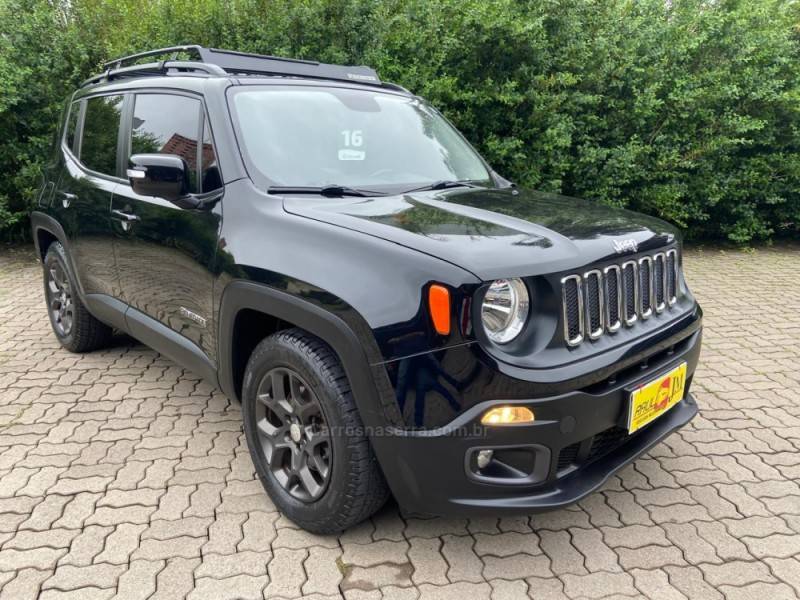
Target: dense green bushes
[(688, 109)]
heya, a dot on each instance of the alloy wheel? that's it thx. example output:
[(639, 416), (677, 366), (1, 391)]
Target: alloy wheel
[(59, 299), (294, 434)]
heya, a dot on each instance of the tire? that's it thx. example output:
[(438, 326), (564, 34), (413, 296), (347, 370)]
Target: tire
[(75, 328), (355, 487)]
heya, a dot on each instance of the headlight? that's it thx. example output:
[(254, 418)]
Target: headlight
[(505, 309)]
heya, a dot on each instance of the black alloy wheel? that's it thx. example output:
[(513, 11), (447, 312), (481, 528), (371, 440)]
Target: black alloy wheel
[(294, 434), (59, 299)]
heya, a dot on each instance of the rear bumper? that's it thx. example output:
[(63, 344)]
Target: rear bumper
[(576, 443)]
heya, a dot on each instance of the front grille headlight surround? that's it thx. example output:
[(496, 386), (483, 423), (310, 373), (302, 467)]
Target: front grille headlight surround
[(505, 309)]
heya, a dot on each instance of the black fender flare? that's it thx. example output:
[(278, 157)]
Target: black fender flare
[(242, 295), (42, 221)]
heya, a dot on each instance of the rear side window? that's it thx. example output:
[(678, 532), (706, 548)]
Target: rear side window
[(72, 124), (168, 124), (100, 130)]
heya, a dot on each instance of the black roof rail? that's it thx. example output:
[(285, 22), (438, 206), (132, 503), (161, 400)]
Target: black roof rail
[(217, 62), (157, 68), (174, 50)]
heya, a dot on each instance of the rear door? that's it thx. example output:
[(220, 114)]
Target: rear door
[(165, 253), (54, 196), (84, 189)]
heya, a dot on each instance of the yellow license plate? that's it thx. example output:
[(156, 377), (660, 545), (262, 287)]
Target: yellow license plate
[(653, 399)]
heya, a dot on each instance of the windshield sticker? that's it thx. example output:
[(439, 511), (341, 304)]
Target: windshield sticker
[(348, 154), (354, 137)]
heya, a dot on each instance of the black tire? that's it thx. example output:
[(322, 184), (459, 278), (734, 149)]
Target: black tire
[(84, 333), (355, 487)]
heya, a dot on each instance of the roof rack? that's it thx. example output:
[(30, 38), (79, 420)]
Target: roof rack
[(219, 63)]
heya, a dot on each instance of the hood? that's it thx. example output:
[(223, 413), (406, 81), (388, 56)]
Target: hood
[(494, 232)]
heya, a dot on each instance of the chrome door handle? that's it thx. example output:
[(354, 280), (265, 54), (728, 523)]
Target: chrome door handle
[(67, 198), (127, 217)]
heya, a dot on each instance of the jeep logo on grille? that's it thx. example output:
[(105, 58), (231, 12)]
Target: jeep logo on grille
[(626, 245)]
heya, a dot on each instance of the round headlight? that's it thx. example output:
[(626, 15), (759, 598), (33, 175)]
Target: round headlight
[(505, 309)]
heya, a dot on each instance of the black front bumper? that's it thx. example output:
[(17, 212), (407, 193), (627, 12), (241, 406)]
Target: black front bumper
[(578, 440)]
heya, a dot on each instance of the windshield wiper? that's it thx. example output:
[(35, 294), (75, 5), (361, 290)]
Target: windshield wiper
[(329, 191), (443, 184)]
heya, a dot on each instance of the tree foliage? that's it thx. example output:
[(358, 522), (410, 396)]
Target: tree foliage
[(688, 109)]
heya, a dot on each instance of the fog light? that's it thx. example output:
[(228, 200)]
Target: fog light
[(484, 458), (507, 415)]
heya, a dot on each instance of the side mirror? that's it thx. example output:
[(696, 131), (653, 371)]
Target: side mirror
[(161, 175)]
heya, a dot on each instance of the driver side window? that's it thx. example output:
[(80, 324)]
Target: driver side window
[(168, 124)]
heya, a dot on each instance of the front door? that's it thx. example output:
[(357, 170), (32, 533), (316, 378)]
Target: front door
[(165, 254)]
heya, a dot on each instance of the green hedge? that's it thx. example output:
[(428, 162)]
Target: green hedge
[(689, 109)]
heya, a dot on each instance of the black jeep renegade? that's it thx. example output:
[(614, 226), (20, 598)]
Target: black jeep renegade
[(392, 314)]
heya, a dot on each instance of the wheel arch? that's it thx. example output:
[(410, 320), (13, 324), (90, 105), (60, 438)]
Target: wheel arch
[(47, 230), (273, 310)]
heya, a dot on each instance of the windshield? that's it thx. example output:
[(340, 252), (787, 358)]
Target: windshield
[(315, 137)]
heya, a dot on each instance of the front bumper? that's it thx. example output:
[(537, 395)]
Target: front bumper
[(576, 443)]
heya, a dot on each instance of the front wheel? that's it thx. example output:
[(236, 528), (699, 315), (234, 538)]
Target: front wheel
[(306, 437)]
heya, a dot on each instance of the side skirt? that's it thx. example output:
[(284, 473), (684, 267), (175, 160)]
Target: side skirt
[(108, 310), (152, 333)]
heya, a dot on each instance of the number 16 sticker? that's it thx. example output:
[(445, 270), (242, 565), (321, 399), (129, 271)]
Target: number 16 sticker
[(353, 138)]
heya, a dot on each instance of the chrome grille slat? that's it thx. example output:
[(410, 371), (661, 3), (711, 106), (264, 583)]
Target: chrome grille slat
[(630, 287), (613, 288), (572, 304), (645, 287), (593, 292), (672, 277), (660, 281), (599, 302)]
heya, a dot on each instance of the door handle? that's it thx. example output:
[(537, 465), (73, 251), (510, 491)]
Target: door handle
[(67, 198), (125, 216)]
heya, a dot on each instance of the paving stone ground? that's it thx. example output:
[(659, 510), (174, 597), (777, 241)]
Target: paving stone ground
[(124, 476)]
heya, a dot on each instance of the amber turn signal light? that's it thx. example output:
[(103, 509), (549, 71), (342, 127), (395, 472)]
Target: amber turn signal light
[(507, 415), (439, 307)]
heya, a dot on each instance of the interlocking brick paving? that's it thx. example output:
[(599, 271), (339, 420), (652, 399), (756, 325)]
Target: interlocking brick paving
[(123, 475)]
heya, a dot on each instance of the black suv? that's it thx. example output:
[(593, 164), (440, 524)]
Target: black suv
[(392, 314)]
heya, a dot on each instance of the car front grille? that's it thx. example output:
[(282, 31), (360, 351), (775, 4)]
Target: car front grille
[(568, 456), (606, 441), (600, 302), (601, 444)]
